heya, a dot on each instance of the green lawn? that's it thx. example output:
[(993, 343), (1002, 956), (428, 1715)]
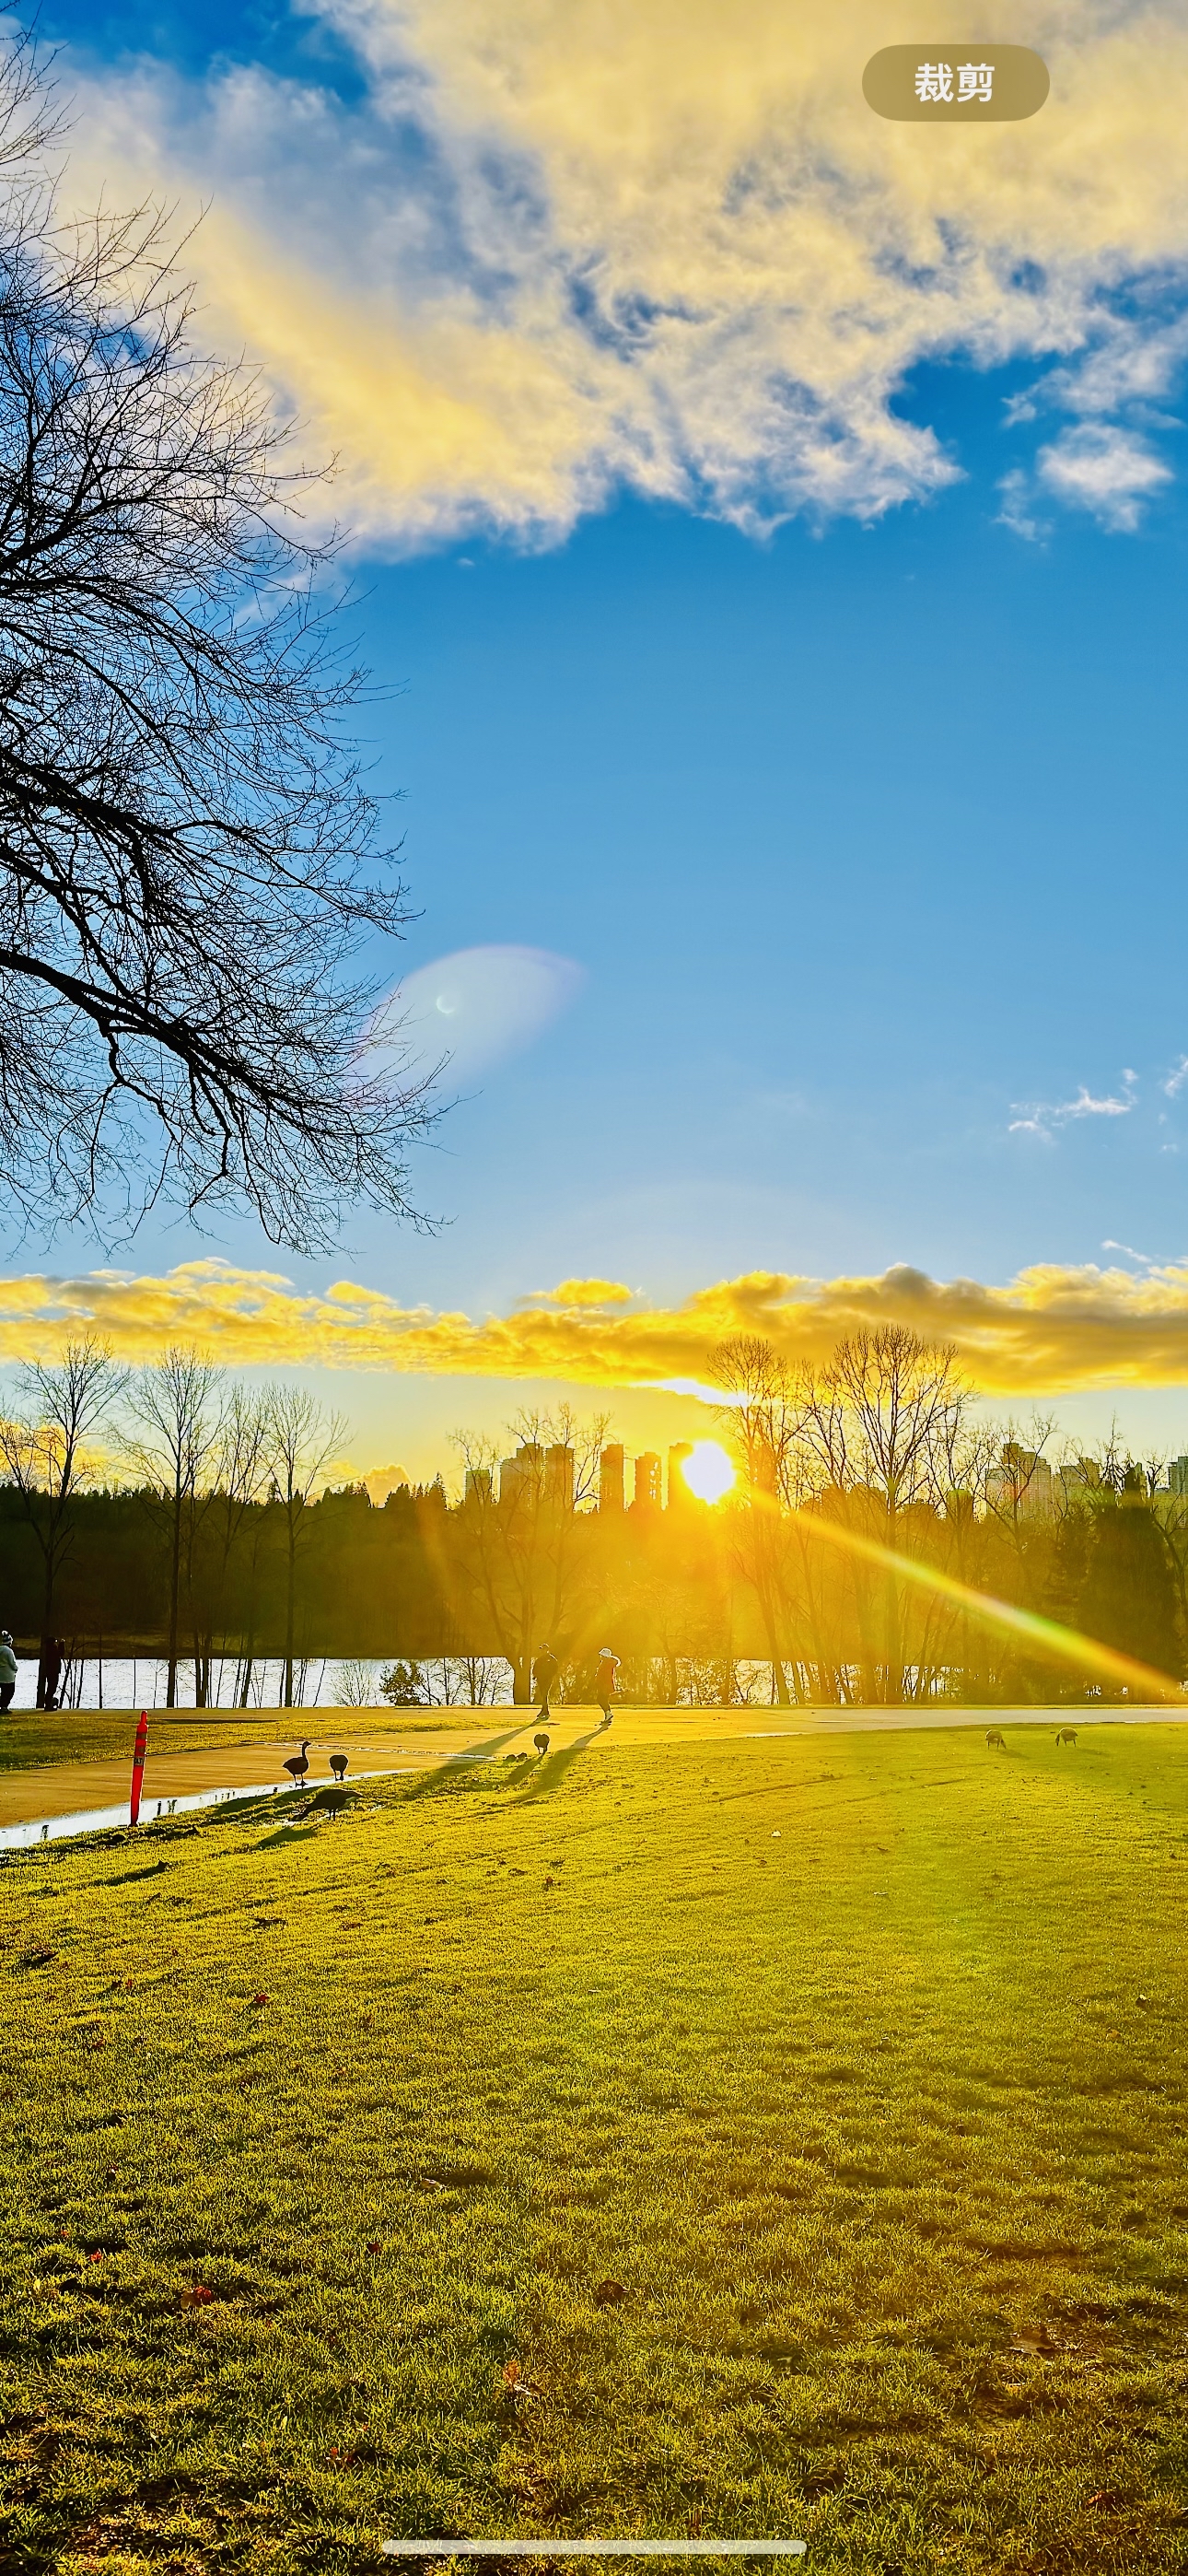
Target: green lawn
[(799, 2127)]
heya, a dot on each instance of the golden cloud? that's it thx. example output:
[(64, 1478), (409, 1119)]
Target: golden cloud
[(663, 243), (1051, 1330)]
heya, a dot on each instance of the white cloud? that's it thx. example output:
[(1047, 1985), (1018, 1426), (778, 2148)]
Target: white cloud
[(559, 246), (1018, 510), (1107, 470), (1177, 1078), (1045, 1118)]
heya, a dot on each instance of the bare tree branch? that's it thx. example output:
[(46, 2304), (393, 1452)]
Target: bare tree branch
[(185, 878)]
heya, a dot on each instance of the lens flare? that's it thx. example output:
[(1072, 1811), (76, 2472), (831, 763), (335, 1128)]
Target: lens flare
[(1045, 1637), (707, 1471)]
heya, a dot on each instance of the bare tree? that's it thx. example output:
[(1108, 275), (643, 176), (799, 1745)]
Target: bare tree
[(239, 1481), (302, 1440), (887, 1420), (764, 1422), (43, 1453), (184, 833), (520, 1533), (170, 1447)]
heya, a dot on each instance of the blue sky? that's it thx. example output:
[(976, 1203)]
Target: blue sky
[(867, 833)]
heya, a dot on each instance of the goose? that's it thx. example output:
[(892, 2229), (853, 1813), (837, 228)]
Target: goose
[(338, 1764), (297, 1766)]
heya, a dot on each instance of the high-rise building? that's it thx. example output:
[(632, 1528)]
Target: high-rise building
[(647, 1481), (1021, 1485), (518, 1474), (679, 1493), (558, 1477), (610, 1478), (1177, 1475), (479, 1483)]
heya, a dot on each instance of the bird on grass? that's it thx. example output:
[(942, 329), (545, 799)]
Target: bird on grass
[(338, 1765), (541, 1742), (330, 1802), (297, 1766)]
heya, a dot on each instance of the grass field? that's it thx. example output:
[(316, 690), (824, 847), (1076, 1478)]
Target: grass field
[(749, 2139)]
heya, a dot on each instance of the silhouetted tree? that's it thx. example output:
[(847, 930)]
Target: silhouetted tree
[(173, 1441), (1129, 1595), (184, 836), (301, 1441), (43, 1454)]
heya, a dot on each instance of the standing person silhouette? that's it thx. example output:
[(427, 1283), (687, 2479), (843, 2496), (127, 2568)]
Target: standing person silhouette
[(604, 1681), (546, 1673), (53, 1656), (8, 1669)]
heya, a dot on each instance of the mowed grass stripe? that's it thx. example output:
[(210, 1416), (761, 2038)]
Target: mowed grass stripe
[(745, 2139)]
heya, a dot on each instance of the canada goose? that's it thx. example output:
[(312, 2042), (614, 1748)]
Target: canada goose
[(541, 1742), (332, 1801), (1067, 1735), (338, 1764), (994, 1737), (297, 1766)]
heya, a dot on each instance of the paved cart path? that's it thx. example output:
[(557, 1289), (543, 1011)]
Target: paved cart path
[(374, 1742)]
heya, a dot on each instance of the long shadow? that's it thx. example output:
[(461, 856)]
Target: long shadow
[(549, 1774), (436, 1783)]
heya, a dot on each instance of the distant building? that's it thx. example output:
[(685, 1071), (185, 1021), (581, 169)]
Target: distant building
[(1022, 1484), (522, 1471), (647, 1481), (1177, 1476), (479, 1484), (610, 1478), (679, 1493), (558, 1477)]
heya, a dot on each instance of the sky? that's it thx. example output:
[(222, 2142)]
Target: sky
[(769, 533)]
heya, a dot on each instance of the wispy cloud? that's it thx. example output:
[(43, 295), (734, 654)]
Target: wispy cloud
[(1018, 510), (1106, 469), (551, 250), (1109, 1245), (1045, 1118), (1051, 1329), (1177, 1078)]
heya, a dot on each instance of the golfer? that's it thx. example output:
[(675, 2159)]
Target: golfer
[(546, 1673), (604, 1681)]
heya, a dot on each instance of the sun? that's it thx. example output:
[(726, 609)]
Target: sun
[(707, 1471)]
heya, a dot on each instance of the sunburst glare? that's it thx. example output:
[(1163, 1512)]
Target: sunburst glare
[(707, 1471)]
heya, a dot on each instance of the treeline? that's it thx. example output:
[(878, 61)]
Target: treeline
[(880, 1545), (365, 1579)]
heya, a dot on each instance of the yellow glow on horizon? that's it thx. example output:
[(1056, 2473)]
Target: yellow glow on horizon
[(707, 1471)]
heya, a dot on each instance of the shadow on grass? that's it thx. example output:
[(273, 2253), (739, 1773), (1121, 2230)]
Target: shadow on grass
[(449, 1775), (549, 1774)]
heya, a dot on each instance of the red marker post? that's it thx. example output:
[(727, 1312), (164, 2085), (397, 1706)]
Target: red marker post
[(138, 1753)]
